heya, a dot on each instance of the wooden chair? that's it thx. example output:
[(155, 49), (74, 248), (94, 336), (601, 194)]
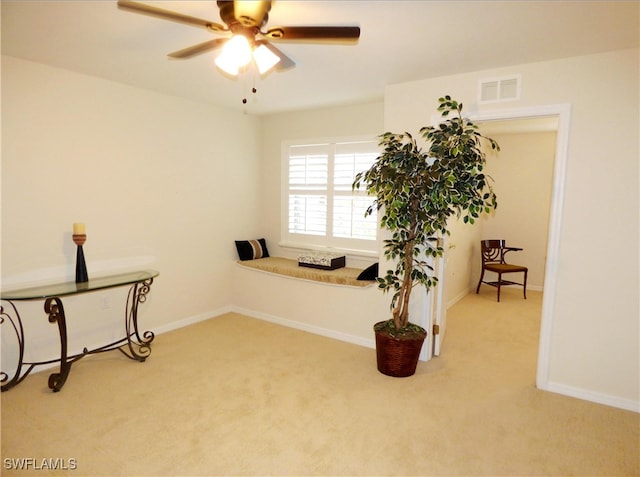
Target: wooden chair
[(493, 252)]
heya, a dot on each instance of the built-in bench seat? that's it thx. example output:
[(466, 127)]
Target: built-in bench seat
[(285, 266), (329, 303)]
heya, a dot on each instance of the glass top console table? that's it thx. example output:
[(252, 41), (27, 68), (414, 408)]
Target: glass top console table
[(134, 345)]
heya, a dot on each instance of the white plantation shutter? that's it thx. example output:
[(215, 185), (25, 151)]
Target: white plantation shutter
[(308, 182), (308, 214), (321, 207), (308, 167), (349, 220), (351, 158), (349, 206)]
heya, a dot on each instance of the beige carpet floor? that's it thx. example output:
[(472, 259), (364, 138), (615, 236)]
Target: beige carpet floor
[(239, 396)]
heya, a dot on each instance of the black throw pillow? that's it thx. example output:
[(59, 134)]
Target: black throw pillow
[(252, 249), (369, 273)]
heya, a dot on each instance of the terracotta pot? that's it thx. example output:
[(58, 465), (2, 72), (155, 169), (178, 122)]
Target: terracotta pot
[(397, 357)]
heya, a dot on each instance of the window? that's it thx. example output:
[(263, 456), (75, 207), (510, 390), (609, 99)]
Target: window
[(320, 208)]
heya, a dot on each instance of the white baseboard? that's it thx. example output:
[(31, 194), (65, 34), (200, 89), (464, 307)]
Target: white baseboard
[(174, 325), (591, 396), (458, 297), (357, 340)]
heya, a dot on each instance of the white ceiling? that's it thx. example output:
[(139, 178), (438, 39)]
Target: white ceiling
[(400, 41)]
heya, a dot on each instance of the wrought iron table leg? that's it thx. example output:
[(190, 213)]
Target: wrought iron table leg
[(19, 331), (53, 307), (139, 347)]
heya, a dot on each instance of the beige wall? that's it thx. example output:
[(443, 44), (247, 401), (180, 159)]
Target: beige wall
[(593, 339), (462, 260), (160, 182)]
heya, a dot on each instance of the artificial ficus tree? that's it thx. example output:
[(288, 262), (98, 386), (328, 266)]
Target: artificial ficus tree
[(418, 189)]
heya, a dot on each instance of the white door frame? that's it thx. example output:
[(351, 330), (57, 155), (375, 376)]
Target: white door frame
[(563, 112)]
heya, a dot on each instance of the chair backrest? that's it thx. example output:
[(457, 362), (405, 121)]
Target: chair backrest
[(492, 251)]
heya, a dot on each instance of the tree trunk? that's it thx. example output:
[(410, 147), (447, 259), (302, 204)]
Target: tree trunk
[(401, 311)]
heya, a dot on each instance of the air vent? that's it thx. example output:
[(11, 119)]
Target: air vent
[(499, 89)]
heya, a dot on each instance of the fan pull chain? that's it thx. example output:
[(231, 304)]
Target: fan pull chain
[(254, 90)]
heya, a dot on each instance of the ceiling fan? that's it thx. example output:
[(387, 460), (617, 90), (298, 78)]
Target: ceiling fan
[(244, 23)]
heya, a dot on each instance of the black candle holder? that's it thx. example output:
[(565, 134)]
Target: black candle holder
[(81, 266)]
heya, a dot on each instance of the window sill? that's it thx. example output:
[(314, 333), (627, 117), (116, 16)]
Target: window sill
[(350, 253)]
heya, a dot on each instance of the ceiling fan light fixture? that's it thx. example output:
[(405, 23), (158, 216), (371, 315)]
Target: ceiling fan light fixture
[(251, 41), (236, 53), (265, 59)]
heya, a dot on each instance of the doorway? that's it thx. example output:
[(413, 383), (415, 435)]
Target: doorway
[(560, 114), (522, 174)]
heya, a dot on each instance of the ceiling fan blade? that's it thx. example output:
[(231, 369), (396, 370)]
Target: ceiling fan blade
[(197, 49), (285, 62), (144, 9), (314, 33), (252, 13)]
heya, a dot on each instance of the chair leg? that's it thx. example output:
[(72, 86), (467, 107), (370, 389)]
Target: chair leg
[(480, 282), (525, 284), (499, 283)]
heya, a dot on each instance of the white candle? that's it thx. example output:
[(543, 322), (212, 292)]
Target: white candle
[(78, 229)]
